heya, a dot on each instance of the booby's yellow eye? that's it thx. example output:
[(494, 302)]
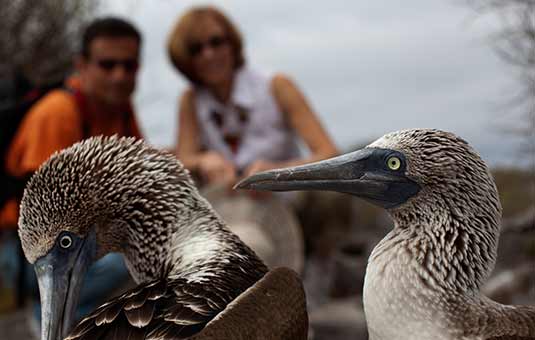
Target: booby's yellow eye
[(65, 241), (393, 163)]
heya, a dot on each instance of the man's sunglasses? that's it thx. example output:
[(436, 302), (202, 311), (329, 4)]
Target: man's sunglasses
[(129, 65), (216, 41)]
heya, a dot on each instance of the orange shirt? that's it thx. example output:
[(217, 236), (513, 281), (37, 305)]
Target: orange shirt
[(54, 123)]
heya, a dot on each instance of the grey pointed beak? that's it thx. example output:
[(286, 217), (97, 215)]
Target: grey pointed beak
[(360, 173), (60, 275)]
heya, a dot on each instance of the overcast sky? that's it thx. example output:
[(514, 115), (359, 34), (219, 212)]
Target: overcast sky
[(368, 67)]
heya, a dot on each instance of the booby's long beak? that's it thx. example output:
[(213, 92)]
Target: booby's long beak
[(60, 275), (362, 173)]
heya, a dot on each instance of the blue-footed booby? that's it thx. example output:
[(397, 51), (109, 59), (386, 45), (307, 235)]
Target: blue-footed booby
[(423, 279), (196, 279)]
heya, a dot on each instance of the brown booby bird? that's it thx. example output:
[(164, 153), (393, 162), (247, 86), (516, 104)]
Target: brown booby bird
[(423, 279), (196, 279)]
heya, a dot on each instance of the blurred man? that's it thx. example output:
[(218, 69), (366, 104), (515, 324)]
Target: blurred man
[(96, 101)]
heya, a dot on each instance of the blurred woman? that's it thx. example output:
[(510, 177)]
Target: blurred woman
[(234, 120)]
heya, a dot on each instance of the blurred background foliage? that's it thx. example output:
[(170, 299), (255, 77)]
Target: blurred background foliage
[(516, 190), (514, 42), (39, 38)]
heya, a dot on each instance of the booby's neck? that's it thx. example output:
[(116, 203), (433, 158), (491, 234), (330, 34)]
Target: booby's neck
[(455, 245), (441, 250), (204, 247), (186, 239), (427, 263)]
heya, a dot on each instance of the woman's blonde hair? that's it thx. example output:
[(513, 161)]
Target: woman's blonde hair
[(180, 38)]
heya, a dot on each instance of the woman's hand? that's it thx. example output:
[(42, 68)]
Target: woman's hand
[(215, 169), (258, 166)]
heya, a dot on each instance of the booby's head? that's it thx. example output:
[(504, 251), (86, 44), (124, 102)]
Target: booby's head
[(82, 203), (411, 173)]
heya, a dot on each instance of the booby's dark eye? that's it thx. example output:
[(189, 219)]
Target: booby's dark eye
[(65, 241), (393, 163)]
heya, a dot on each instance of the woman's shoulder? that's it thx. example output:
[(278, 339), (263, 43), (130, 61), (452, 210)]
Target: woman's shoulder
[(280, 79), (188, 93), (282, 84), (192, 94), (195, 92)]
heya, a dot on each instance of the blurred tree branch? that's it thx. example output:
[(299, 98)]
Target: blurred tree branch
[(39, 38), (515, 44)]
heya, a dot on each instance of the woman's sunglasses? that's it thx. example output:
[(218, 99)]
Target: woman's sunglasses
[(213, 42)]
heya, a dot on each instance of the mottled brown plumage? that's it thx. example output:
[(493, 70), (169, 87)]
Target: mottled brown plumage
[(118, 194)]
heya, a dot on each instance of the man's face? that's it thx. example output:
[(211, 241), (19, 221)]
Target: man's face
[(108, 74)]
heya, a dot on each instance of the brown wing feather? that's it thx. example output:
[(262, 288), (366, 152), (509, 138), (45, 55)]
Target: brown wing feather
[(140, 316), (273, 309), (505, 322), (164, 309)]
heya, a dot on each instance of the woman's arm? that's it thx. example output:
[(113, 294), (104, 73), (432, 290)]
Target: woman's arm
[(188, 146), (212, 166), (303, 120)]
